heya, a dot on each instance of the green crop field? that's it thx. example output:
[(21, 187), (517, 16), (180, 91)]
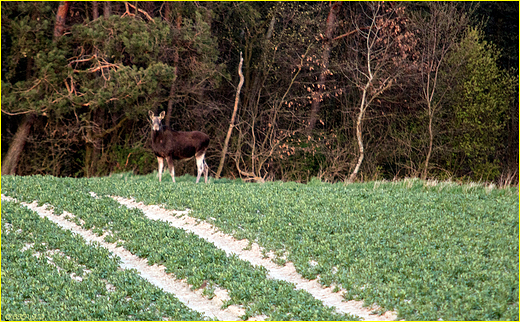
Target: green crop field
[(425, 250)]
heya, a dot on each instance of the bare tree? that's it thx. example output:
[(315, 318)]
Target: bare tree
[(440, 29), (233, 116), (383, 50)]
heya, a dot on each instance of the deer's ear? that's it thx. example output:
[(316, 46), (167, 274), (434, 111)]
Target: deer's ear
[(161, 116), (150, 114)]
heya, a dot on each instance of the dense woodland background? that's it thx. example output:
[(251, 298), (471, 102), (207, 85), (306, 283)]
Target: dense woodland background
[(335, 90)]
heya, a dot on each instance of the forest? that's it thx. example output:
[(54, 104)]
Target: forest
[(338, 91)]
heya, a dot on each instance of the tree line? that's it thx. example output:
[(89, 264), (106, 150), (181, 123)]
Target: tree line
[(341, 91)]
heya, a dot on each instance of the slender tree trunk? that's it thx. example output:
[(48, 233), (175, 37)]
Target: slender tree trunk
[(512, 145), (90, 148), (97, 140), (359, 134), (440, 30), (10, 162), (317, 96), (429, 91), (430, 147), (232, 122)]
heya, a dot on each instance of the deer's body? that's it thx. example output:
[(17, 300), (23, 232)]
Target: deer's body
[(177, 145)]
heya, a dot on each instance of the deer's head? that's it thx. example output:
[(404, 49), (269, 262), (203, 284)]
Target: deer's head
[(156, 120)]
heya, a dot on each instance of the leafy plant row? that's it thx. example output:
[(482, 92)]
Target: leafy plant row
[(50, 274), (428, 250), (185, 255)]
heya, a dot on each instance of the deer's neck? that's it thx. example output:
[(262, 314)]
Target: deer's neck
[(157, 133)]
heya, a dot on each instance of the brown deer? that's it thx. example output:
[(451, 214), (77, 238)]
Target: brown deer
[(177, 145)]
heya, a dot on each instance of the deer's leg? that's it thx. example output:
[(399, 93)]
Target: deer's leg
[(200, 167), (161, 165), (206, 170), (170, 166)]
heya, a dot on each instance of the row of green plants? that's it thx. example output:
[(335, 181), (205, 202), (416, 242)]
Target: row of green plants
[(39, 261), (428, 250), (185, 255)]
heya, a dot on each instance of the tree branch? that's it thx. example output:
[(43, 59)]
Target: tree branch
[(350, 33), (127, 12)]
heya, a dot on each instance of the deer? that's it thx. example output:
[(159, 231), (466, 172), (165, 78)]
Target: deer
[(178, 145)]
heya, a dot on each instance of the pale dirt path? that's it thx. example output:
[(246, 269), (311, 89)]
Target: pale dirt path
[(231, 245), (154, 274)]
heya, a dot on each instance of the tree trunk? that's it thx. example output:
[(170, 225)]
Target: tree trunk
[(89, 148), (317, 96), (251, 95), (61, 17), (107, 9), (95, 135), (511, 152), (359, 134), (167, 10), (10, 162), (95, 10), (89, 151), (232, 122), (430, 147)]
